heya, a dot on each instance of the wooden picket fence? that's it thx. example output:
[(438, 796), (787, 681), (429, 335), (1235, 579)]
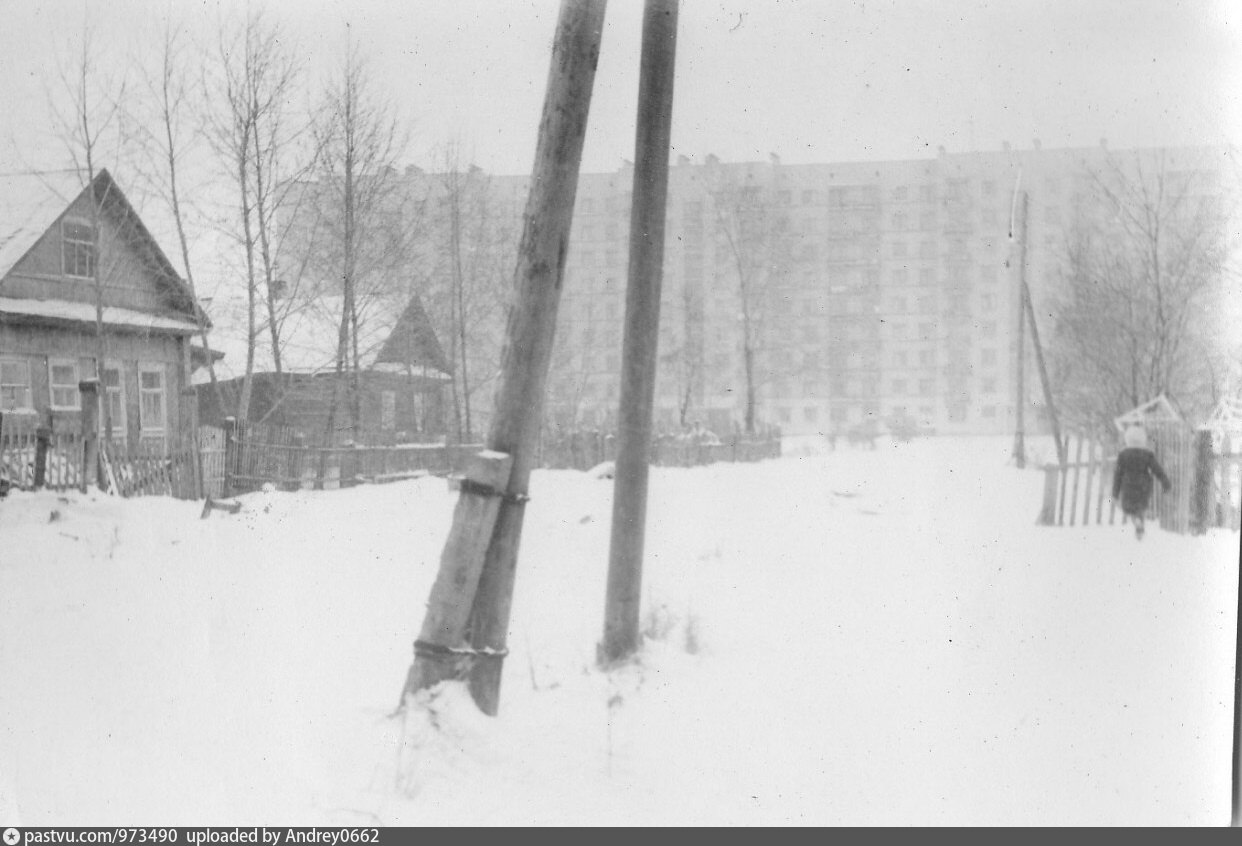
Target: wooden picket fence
[(1079, 491), (149, 469), (19, 449), (247, 456)]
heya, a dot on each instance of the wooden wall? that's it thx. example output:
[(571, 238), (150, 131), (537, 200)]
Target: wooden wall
[(38, 344)]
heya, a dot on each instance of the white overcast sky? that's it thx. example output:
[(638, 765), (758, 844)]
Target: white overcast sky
[(817, 80)]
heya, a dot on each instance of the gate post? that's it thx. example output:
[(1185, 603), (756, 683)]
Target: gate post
[(89, 389), (230, 455), (1047, 516), (43, 442), (1201, 498)]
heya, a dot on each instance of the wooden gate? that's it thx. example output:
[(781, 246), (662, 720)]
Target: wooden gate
[(1080, 491), (211, 453)]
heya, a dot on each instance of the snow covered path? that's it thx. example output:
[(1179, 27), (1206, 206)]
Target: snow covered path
[(848, 638)]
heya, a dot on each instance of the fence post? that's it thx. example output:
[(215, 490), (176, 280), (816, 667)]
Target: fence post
[(1047, 516), (230, 454), (43, 441), (89, 389), (1201, 496)]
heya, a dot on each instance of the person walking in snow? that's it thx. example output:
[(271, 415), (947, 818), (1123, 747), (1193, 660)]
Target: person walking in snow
[(1132, 477)]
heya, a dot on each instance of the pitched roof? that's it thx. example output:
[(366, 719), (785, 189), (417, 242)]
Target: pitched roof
[(412, 342), (29, 204), (32, 202), (309, 338)]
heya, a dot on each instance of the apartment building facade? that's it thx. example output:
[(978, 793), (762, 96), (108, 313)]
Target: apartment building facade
[(874, 290)]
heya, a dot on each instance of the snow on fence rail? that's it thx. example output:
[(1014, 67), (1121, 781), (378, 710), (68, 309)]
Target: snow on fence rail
[(1206, 479)]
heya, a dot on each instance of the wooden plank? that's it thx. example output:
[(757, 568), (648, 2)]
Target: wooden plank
[(461, 564), (1064, 467), (1091, 467), (1106, 481), (1077, 472)]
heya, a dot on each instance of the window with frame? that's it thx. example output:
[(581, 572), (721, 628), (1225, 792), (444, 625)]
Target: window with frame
[(152, 411), (15, 385), (77, 248), (114, 398), (63, 384)]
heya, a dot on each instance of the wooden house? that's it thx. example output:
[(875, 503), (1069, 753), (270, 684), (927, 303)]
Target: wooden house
[(82, 279), (402, 381)]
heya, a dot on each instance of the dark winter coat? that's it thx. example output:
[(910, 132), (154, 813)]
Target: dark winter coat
[(1132, 479)]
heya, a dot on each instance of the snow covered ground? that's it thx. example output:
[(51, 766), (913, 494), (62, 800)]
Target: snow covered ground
[(851, 637)]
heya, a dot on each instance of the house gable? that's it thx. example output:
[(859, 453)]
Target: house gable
[(136, 276)]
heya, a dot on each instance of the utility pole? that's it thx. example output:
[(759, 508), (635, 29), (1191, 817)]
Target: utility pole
[(1029, 308), (642, 330), (532, 325), (1019, 406)]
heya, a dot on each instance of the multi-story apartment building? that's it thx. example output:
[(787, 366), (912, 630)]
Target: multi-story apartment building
[(874, 289)]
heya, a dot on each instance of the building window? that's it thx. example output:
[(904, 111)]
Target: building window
[(114, 398), (77, 249), (988, 301), (987, 411), (899, 387), (901, 358), (927, 276), (811, 413), (988, 330), (14, 385), (152, 411), (388, 410), (63, 384), (899, 249), (988, 357), (927, 357), (989, 386), (927, 387)]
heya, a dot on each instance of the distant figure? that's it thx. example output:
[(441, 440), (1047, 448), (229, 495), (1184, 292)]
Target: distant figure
[(1132, 478)]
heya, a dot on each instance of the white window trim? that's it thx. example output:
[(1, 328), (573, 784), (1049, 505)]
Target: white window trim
[(52, 385), (163, 427), (76, 221), (28, 408), (120, 429)]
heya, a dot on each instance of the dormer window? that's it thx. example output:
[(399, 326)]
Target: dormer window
[(77, 249)]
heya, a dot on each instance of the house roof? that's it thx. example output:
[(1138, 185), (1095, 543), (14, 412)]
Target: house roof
[(29, 204), (61, 311), (32, 202), (309, 338), (412, 342), (1152, 411)]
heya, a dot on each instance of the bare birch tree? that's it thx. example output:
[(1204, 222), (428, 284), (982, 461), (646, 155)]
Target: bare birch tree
[(1142, 280), (167, 128), (365, 243), (475, 245), (756, 239), (258, 135), (87, 123)]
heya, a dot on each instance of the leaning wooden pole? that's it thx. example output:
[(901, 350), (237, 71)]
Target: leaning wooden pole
[(1029, 308), (1236, 777), (642, 331), (532, 324), (1017, 229)]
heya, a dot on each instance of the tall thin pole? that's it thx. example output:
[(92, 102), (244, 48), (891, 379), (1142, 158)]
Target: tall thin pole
[(532, 324), (1019, 407), (642, 329), (1236, 815), (1053, 418)]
